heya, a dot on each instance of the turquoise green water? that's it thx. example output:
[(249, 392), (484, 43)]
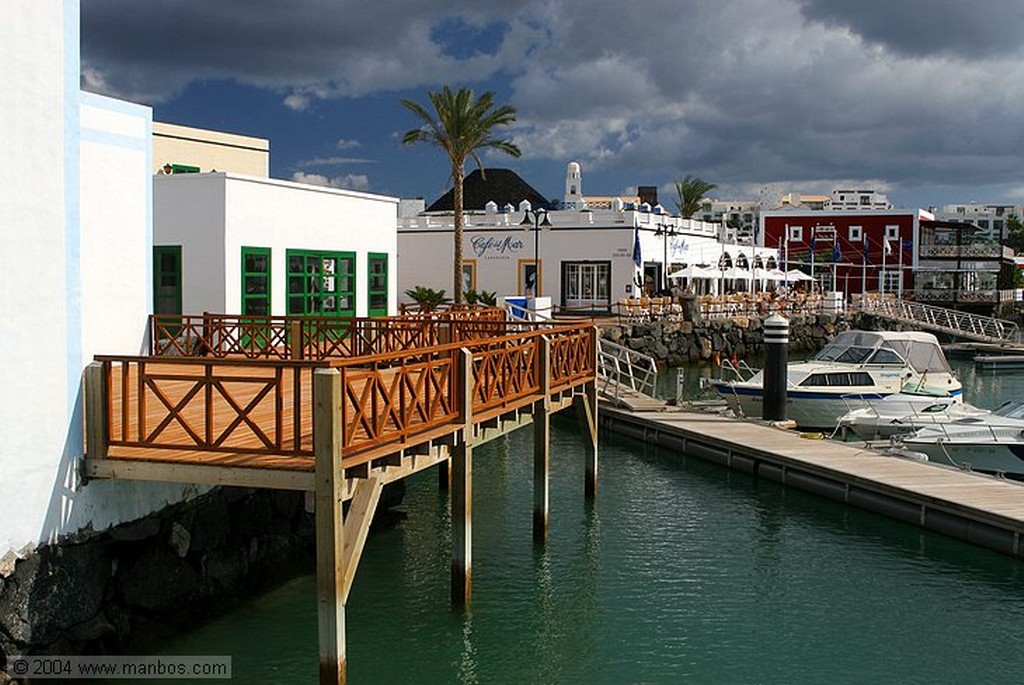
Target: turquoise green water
[(681, 571)]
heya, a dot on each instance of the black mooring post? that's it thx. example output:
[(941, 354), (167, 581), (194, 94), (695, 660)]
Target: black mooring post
[(776, 359)]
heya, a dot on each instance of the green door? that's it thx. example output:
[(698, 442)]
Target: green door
[(321, 283), (256, 281), (167, 286), (167, 279), (377, 284)]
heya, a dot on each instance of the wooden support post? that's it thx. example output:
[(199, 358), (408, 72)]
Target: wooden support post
[(444, 471), (462, 486), (586, 411), (298, 350), (97, 440), (542, 442), (444, 476), (330, 531)]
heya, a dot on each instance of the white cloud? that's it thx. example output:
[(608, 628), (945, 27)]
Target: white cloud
[(348, 181)]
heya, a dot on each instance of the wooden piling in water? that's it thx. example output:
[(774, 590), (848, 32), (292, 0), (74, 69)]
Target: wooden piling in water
[(542, 443), (330, 531), (462, 486)]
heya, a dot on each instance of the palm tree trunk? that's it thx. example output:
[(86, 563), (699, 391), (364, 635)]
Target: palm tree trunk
[(457, 174)]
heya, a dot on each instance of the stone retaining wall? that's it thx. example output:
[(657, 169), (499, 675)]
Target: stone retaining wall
[(675, 343)]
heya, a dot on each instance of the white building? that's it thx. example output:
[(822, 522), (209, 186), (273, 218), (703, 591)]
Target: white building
[(990, 219), (235, 244), (178, 149), (858, 200), (75, 208), (585, 259)]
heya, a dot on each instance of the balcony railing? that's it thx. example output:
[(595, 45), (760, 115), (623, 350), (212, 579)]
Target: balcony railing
[(983, 251), (235, 405)]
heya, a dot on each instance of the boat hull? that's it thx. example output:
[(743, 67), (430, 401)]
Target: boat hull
[(809, 410), (995, 458)]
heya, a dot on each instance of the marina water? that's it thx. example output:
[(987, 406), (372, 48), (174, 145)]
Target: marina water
[(680, 570)]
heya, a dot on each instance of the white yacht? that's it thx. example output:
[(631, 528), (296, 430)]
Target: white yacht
[(903, 413), (990, 443), (853, 369)]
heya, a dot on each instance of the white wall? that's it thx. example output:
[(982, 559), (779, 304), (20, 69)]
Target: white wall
[(425, 256), (38, 211), (188, 211), (116, 228), (215, 215), (74, 274)]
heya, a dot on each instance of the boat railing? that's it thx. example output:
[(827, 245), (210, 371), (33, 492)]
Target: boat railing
[(738, 370)]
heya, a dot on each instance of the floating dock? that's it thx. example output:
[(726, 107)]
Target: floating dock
[(976, 508), (1000, 362)]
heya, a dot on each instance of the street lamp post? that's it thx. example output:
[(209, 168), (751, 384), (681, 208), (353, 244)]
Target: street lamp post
[(665, 230), (536, 218)]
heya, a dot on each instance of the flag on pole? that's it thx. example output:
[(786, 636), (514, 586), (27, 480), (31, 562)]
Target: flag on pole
[(637, 259), (888, 247), (866, 249), (814, 246), (837, 252)]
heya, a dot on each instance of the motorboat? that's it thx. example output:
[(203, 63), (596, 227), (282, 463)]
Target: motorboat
[(989, 443), (902, 413), (855, 368)]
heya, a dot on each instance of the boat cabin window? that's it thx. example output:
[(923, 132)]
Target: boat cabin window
[(839, 379)]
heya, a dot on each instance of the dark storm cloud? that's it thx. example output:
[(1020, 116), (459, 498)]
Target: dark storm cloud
[(323, 48), (971, 29), (741, 92)]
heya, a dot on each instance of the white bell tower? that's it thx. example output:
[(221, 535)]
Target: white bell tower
[(573, 187)]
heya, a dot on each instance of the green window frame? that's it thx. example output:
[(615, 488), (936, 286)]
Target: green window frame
[(167, 279), (321, 283), (256, 281), (377, 284)]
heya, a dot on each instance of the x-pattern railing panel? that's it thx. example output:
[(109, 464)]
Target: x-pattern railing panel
[(381, 405), (206, 406), (503, 374), (572, 358)]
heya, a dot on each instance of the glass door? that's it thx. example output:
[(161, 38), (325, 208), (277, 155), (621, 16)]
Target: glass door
[(377, 284), (586, 285)]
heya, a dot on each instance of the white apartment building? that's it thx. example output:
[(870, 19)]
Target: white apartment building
[(989, 218)]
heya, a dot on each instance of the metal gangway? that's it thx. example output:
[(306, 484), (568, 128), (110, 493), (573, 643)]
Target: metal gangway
[(626, 377), (942, 320)]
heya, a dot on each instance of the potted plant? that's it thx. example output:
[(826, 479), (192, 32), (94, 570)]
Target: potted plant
[(428, 299)]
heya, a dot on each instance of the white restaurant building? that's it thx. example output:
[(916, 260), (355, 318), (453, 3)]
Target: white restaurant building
[(588, 258)]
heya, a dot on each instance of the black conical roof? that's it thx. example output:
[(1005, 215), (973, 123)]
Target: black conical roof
[(503, 186)]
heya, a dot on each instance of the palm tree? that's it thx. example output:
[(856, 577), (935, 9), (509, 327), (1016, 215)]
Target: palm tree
[(461, 125), (691, 190)]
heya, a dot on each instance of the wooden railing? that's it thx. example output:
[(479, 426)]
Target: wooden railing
[(243, 406), (208, 405), (294, 337)]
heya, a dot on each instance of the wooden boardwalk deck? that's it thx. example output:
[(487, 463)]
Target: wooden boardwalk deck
[(232, 420), (981, 509)]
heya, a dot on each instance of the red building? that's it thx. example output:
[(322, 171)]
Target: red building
[(848, 251)]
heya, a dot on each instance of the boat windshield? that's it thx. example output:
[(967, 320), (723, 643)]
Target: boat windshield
[(868, 347), (1010, 410)]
